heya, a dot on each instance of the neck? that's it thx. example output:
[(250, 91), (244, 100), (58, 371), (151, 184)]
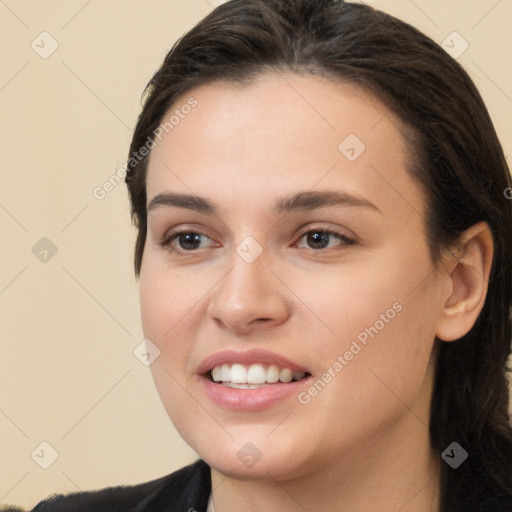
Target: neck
[(392, 471)]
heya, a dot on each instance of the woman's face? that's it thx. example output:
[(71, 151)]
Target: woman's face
[(286, 240)]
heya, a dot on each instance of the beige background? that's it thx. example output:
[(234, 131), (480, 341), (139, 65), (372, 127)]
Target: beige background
[(69, 325)]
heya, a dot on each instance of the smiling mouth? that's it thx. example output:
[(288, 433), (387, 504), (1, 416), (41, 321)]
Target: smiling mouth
[(253, 376)]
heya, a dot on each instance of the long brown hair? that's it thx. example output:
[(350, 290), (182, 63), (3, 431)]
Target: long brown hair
[(457, 159)]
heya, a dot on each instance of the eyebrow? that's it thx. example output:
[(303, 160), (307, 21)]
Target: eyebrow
[(308, 200)]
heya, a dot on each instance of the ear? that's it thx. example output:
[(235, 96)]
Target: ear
[(469, 278)]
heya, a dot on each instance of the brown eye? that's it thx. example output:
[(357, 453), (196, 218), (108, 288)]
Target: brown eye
[(186, 242), (189, 241), (320, 239)]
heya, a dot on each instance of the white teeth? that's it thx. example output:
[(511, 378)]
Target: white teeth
[(272, 374), (217, 374), (225, 372), (244, 386), (253, 376), (285, 375), (238, 374), (256, 374)]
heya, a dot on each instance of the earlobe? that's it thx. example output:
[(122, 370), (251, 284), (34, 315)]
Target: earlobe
[(469, 278)]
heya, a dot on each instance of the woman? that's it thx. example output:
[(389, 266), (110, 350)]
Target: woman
[(324, 257)]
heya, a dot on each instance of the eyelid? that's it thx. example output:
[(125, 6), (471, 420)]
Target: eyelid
[(167, 240), (344, 235), (187, 228), (339, 231)]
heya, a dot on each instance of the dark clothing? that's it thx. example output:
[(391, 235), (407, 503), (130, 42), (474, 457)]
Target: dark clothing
[(188, 490)]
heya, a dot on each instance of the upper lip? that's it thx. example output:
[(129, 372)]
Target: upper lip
[(247, 357)]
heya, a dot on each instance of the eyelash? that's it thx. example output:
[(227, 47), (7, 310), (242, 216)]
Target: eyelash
[(167, 241)]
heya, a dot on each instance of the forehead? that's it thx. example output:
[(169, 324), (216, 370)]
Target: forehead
[(282, 132)]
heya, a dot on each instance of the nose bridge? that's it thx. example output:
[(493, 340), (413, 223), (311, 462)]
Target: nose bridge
[(248, 291)]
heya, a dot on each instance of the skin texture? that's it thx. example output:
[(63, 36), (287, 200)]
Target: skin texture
[(361, 444)]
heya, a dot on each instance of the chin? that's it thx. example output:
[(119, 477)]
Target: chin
[(248, 457)]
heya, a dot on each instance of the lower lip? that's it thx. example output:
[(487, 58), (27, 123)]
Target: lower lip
[(256, 399)]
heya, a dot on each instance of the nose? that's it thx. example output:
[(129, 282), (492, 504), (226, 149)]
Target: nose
[(249, 298)]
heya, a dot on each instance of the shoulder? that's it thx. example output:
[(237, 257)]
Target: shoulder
[(187, 488)]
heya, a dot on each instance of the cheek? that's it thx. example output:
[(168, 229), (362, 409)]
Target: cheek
[(168, 297), (157, 303), (374, 329), (350, 301), (169, 303)]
